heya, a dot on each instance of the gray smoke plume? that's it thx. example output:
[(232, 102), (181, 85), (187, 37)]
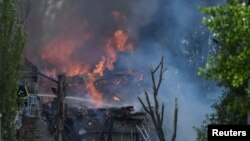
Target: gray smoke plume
[(168, 28)]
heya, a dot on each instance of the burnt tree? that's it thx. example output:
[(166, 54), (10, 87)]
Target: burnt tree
[(175, 120), (156, 113)]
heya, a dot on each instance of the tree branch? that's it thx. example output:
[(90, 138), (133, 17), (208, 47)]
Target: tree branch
[(156, 116), (162, 114), (143, 105)]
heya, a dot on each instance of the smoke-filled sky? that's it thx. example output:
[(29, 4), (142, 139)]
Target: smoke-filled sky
[(92, 36)]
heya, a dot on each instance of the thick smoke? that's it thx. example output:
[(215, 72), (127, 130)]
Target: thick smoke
[(168, 28), (88, 24)]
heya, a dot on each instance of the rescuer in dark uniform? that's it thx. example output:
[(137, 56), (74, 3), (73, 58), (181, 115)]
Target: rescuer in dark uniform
[(22, 95)]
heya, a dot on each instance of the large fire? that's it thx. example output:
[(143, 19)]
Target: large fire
[(117, 43), (80, 46), (60, 52)]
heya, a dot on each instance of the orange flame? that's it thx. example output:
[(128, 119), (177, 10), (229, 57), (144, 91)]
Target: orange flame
[(118, 43), (111, 55), (116, 99), (97, 72), (97, 96), (99, 68), (120, 40), (58, 53)]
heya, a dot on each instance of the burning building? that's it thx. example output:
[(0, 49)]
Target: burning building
[(100, 124), (80, 45), (87, 120), (70, 40), (84, 120)]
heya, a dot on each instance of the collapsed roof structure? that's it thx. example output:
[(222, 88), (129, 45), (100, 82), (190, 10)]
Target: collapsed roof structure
[(100, 124)]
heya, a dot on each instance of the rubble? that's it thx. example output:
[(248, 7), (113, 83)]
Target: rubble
[(99, 124)]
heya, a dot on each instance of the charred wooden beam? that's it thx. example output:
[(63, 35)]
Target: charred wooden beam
[(61, 93)]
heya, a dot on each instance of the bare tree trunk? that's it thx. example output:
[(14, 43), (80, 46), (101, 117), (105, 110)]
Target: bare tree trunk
[(175, 120), (156, 112)]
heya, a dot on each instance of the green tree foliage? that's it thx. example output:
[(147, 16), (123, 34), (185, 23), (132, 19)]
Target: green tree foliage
[(230, 24), (12, 42), (229, 64)]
